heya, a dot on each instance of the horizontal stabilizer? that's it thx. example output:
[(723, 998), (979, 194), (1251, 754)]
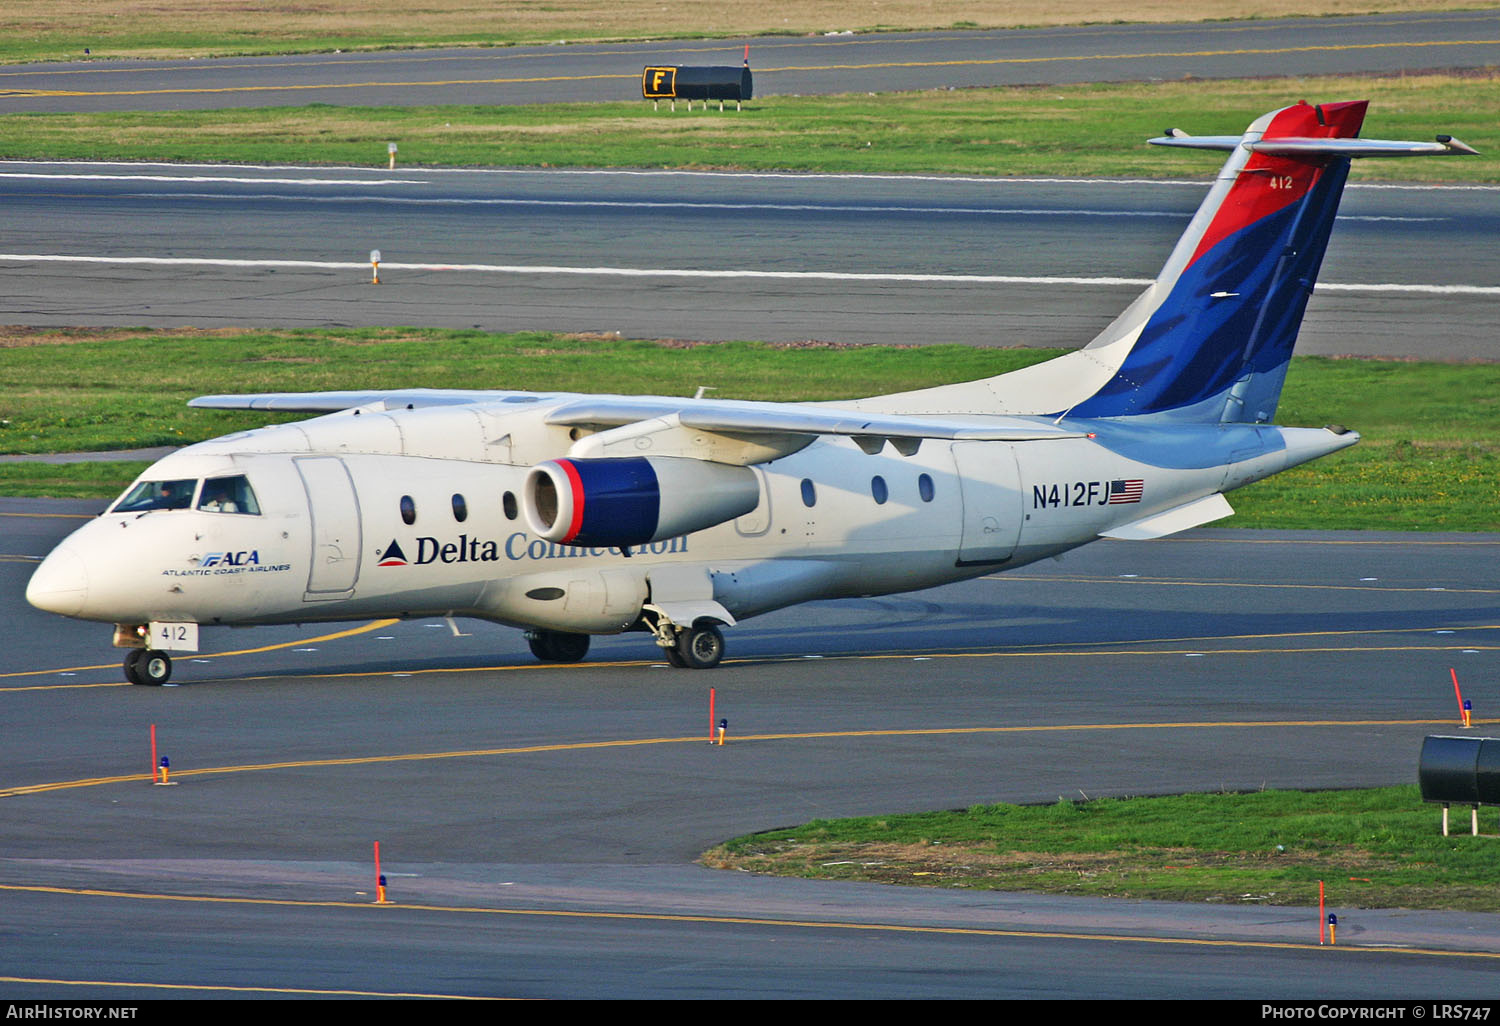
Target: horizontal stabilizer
[(1310, 148), (1180, 518)]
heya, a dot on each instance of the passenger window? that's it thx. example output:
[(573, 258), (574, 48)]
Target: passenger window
[(460, 509), (809, 493), (149, 495), (508, 503), (878, 490), (924, 487), (228, 495), (408, 510)]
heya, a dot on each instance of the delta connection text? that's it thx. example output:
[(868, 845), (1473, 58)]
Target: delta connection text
[(516, 547)]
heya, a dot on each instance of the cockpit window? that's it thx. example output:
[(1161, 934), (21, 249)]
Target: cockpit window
[(228, 495), (149, 495)]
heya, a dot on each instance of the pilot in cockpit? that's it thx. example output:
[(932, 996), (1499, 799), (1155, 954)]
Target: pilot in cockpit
[(216, 499)]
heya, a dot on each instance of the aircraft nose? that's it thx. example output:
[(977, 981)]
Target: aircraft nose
[(60, 584)]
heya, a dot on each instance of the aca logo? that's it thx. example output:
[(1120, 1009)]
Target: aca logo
[(242, 558)]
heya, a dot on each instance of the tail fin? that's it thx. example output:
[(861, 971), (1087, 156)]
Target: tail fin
[(1229, 301), (1209, 341)]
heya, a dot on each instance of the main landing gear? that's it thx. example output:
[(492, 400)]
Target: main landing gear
[(558, 646), (699, 648), (691, 648), (695, 648), (148, 666)]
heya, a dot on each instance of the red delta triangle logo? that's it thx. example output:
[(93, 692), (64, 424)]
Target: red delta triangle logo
[(392, 556)]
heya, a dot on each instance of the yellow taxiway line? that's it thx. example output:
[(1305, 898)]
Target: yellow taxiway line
[(698, 739), (806, 924), (371, 626), (632, 76)]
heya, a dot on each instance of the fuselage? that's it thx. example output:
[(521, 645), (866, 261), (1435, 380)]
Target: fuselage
[(415, 512)]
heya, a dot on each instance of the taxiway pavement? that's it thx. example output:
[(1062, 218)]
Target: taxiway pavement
[(538, 825), (836, 63)]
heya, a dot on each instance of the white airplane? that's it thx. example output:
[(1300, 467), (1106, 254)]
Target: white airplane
[(572, 515)]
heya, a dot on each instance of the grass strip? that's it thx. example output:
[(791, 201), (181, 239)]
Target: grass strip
[(1074, 130), (1377, 848), (1429, 459), (93, 480)]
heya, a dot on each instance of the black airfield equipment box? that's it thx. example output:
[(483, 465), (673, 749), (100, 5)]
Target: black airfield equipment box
[(674, 83), (1461, 770)]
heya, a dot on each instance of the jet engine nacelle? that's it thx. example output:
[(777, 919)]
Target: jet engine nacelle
[(633, 500)]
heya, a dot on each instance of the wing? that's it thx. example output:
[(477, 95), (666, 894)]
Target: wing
[(722, 430), (333, 402)]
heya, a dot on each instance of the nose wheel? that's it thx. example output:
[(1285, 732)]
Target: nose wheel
[(148, 666)]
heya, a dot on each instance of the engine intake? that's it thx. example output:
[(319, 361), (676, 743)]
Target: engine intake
[(633, 500)]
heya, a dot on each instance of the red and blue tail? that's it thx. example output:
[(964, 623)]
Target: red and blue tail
[(1217, 331)]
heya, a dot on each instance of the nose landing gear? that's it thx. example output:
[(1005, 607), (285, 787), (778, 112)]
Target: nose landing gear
[(148, 666)]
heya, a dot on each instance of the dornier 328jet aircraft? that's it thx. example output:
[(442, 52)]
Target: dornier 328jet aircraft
[(572, 515)]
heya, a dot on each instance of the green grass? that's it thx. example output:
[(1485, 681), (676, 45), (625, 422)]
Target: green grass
[(110, 390), (1429, 459), (1379, 848), (1075, 130), (102, 480)]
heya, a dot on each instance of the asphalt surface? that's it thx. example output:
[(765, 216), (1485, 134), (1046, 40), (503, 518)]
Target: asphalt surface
[(832, 64), (538, 825), (1410, 270)]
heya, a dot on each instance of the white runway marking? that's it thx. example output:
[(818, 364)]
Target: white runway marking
[(96, 177), (672, 272), (998, 182), (619, 272), (830, 208), (692, 205)]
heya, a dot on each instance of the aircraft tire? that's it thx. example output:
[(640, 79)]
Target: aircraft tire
[(674, 657), (558, 646), (148, 666), (569, 648), (701, 648)]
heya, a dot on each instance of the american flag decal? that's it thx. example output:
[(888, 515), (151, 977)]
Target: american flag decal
[(1125, 491)]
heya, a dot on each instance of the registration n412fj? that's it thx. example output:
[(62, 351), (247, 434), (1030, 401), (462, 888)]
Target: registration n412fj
[(573, 515)]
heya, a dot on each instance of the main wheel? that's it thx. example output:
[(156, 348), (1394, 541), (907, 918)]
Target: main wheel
[(558, 646), (700, 648), (148, 666)]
